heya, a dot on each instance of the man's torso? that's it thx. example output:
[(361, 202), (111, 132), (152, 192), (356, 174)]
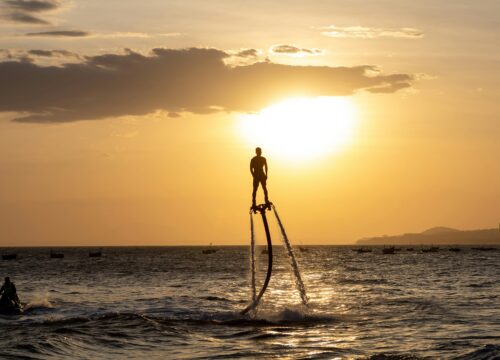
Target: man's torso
[(9, 289), (257, 164)]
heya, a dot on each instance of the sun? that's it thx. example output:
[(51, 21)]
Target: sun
[(300, 129)]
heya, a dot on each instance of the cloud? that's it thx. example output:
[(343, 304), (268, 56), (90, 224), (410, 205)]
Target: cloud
[(53, 53), (114, 35), (33, 5), (14, 55), (242, 57), (362, 32), (388, 88), (39, 56), (86, 34), (23, 10), (6, 54), (248, 53), (196, 80), (293, 50), (25, 18), (60, 33)]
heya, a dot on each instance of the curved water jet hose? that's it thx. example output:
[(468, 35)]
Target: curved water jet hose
[(255, 301)]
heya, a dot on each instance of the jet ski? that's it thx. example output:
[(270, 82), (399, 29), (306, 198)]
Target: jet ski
[(10, 308)]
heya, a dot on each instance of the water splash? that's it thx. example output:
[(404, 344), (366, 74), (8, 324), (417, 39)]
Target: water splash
[(252, 260), (296, 315), (295, 267), (253, 270), (39, 301)]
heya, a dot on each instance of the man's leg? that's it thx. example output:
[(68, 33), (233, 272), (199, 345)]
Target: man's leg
[(254, 192), (264, 187)]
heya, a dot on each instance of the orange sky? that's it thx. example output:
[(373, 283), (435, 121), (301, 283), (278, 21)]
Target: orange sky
[(155, 156)]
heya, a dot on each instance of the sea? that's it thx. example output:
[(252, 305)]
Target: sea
[(181, 303)]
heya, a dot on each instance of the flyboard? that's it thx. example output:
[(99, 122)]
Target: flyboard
[(256, 297)]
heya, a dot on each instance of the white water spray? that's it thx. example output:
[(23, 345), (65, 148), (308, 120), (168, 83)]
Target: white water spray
[(252, 260), (295, 267)]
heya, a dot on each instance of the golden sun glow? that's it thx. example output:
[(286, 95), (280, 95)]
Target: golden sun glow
[(301, 128)]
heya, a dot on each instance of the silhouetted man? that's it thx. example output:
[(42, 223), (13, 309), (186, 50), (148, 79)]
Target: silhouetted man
[(258, 168), (9, 294)]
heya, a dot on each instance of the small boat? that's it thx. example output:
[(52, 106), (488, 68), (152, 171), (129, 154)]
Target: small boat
[(303, 249), (208, 251), (55, 255), (410, 249), (362, 251), (432, 249), (455, 249), (388, 250), (9, 257), (94, 254), (264, 251)]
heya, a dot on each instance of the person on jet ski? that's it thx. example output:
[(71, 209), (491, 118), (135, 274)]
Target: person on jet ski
[(9, 294)]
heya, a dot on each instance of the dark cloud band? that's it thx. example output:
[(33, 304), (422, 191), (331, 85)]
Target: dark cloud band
[(52, 53), (187, 80), (294, 50), (25, 18), (60, 33), (33, 5), (23, 11)]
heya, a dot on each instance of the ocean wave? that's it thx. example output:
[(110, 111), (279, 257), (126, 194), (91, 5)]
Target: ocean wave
[(40, 305), (352, 281), (487, 352), (394, 357), (418, 304), (295, 316), (183, 305), (483, 284), (289, 316), (215, 298)]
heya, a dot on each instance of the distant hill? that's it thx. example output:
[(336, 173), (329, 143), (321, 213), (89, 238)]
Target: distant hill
[(438, 230), (438, 236)]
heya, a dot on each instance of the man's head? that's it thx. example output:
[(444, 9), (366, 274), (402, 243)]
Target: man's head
[(7, 280), (258, 151)]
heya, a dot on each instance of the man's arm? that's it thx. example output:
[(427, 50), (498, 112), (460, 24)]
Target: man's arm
[(265, 166), (251, 167)]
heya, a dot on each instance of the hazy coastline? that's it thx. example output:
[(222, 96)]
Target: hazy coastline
[(438, 236)]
